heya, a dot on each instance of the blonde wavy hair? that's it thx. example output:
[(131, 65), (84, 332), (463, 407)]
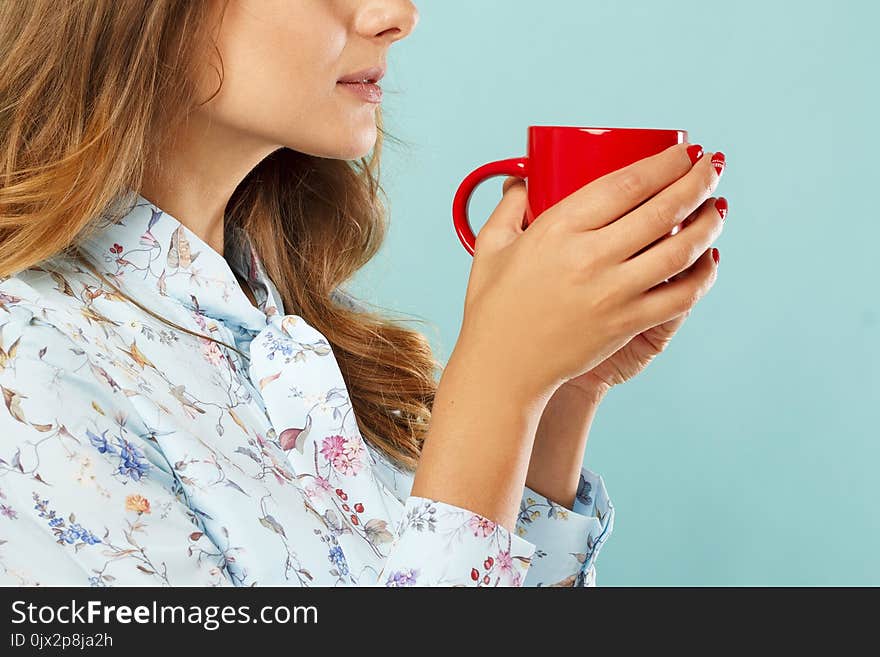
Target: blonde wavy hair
[(90, 92)]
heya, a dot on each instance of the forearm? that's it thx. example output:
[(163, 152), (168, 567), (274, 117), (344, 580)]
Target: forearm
[(476, 453), (560, 441)]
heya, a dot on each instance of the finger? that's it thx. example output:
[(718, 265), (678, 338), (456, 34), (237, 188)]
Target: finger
[(511, 180), (721, 205), (687, 222), (674, 255), (677, 229), (659, 335), (674, 231), (650, 221), (605, 199), (677, 297), (505, 223)]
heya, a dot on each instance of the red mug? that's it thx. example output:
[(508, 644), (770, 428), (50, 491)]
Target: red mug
[(561, 160)]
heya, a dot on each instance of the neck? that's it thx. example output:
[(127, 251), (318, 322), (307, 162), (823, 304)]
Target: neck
[(205, 163)]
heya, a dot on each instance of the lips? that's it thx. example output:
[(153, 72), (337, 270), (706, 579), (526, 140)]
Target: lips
[(364, 90), (371, 75)]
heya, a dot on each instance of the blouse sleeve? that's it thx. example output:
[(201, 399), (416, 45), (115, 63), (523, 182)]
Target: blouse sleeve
[(567, 540), (440, 544), (84, 498)]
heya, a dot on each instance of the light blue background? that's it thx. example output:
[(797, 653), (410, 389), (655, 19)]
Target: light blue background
[(748, 452)]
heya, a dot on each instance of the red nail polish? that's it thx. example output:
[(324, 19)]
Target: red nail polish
[(718, 162), (695, 152), (716, 255), (721, 206)]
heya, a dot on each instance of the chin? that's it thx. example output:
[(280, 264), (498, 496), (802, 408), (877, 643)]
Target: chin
[(359, 145), (355, 145)]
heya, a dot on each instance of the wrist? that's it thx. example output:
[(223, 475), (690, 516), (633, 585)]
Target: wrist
[(506, 379), (561, 440), (476, 451), (580, 391), (579, 395)]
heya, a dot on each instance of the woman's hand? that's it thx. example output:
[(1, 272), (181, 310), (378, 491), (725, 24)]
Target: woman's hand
[(564, 427), (581, 295), (629, 360), (633, 357), (547, 304)]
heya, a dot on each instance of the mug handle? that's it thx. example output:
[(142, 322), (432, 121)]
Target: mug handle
[(515, 166)]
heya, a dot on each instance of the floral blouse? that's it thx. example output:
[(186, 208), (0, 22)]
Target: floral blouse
[(132, 453)]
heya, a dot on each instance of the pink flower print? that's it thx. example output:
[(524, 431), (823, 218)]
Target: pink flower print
[(198, 317), (8, 511), (354, 449), (345, 455), (211, 352), (331, 447), (116, 249), (505, 561), (350, 461), (501, 568), (481, 526), (318, 487)]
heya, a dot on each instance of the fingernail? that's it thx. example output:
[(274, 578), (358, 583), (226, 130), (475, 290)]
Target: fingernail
[(695, 152), (721, 206), (716, 255), (718, 162)]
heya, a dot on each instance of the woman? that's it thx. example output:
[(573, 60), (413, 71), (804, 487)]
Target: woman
[(190, 396)]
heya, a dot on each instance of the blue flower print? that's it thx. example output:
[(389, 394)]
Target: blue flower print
[(583, 490), (100, 442), (69, 534), (337, 558), (76, 532), (132, 463), (403, 578), (278, 345)]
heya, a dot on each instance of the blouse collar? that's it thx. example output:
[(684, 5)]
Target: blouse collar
[(152, 247)]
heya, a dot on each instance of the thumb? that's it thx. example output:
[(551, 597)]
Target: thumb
[(505, 223), (662, 333)]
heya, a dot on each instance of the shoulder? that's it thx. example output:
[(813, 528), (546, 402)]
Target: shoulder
[(47, 366), (32, 316), (52, 291), (60, 302), (60, 305), (57, 354)]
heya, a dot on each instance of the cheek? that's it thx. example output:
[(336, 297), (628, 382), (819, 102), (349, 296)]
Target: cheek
[(311, 116), (269, 94), (279, 60), (279, 85)]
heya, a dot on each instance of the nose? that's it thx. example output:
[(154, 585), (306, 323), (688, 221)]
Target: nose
[(392, 20)]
